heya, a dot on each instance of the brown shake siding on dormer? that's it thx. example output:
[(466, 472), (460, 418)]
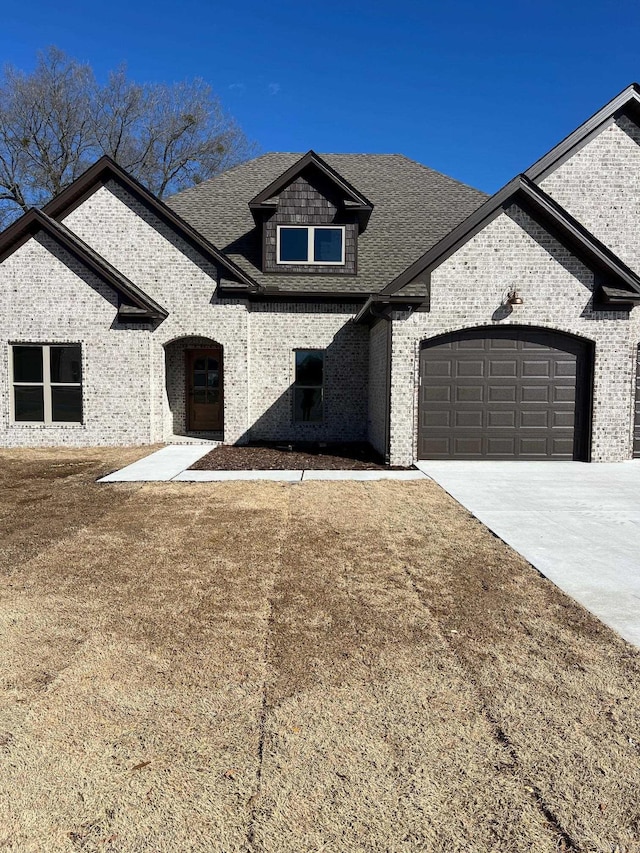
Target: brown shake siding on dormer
[(307, 203)]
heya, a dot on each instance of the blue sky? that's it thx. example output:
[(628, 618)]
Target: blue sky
[(478, 90)]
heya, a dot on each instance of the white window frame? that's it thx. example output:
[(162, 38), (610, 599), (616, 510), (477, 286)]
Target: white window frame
[(46, 384), (311, 229), (295, 384)]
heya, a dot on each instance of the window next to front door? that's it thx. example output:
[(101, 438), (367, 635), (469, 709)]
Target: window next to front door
[(47, 383), (308, 386)]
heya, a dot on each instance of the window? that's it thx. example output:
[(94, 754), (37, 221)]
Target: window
[(47, 383), (313, 244), (308, 389)]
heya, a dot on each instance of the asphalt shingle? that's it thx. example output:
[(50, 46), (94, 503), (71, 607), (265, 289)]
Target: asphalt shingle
[(414, 207)]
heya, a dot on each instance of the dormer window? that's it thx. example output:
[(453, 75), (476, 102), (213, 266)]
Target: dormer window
[(310, 244), (296, 218)]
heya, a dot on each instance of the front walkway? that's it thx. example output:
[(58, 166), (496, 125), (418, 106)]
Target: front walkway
[(173, 463), (577, 523)]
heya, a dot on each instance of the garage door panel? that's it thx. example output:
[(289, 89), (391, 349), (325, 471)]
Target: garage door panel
[(436, 393), (534, 419), (469, 367), (501, 344), (565, 368), (529, 447), (477, 344), (501, 419), (468, 419), (469, 393), (502, 393), (438, 368), (536, 369), (534, 345), (438, 418), (503, 367), (500, 446), (563, 393), (506, 393), (563, 419), (562, 447), (535, 394), (438, 448), (468, 446)]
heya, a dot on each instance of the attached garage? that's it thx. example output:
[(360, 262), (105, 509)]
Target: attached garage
[(505, 393)]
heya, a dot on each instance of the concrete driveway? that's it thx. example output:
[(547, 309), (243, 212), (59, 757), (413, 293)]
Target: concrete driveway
[(578, 524)]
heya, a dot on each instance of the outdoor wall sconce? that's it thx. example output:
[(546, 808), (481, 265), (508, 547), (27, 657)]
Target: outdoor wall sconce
[(512, 297)]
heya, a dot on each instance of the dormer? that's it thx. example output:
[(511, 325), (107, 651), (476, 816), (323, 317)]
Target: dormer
[(310, 219)]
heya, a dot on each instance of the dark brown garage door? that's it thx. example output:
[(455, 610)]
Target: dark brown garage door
[(508, 393)]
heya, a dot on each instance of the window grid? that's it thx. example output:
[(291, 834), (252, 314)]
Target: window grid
[(46, 384), (311, 229)]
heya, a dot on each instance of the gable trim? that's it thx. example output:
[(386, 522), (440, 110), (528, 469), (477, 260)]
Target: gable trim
[(106, 169), (137, 304), (559, 222), (354, 200), (628, 99)]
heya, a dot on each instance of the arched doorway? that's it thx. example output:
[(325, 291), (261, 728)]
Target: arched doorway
[(195, 386), (509, 392)]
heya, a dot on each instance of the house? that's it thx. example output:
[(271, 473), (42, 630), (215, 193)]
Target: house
[(336, 298)]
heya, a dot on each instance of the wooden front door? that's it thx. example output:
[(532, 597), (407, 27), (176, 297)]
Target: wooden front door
[(204, 390)]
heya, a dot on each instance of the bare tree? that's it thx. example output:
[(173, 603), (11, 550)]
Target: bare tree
[(57, 120)]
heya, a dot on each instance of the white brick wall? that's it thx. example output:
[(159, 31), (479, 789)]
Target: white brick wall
[(275, 331), (46, 296), (600, 186)]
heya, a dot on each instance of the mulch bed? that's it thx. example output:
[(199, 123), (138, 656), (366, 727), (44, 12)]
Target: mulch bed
[(293, 457)]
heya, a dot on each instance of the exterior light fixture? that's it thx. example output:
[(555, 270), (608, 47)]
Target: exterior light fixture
[(512, 297)]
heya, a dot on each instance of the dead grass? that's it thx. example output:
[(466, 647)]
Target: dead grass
[(266, 667)]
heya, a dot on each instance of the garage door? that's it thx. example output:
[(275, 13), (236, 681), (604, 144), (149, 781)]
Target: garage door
[(508, 393)]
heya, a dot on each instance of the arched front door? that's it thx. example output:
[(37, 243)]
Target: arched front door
[(204, 389), (504, 393)]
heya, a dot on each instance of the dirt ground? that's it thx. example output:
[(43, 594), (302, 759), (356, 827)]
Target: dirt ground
[(340, 457), (312, 667)]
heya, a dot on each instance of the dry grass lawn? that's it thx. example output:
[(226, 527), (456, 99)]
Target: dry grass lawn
[(311, 667)]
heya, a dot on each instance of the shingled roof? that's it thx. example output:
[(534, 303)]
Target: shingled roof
[(414, 207)]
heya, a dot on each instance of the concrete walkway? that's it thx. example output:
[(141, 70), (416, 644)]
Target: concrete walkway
[(173, 463), (164, 464), (578, 524)]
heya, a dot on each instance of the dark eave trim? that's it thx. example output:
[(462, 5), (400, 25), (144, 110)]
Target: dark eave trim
[(380, 307), (36, 220), (106, 169), (542, 167), (356, 201), (562, 224), (307, 296)]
